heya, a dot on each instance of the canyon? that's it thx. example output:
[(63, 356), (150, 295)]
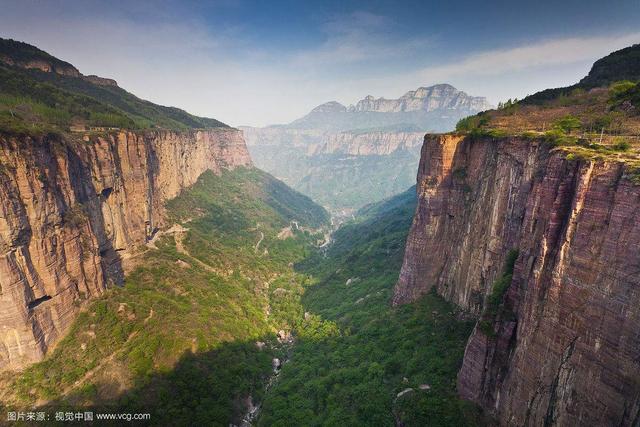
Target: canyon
[(145, 263)]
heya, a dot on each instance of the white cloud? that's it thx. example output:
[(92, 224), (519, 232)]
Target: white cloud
[(538, 54), (504, 73), (357, 37)]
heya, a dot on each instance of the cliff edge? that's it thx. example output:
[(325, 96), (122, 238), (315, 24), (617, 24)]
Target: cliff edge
[(562, 349)]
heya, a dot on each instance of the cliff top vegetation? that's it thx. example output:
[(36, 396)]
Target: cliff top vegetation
[(597, 118)]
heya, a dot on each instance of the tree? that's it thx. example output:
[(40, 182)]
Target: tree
[(568, 124)]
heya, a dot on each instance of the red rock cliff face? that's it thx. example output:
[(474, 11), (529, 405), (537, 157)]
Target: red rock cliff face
[(72, 212), (564, 348)]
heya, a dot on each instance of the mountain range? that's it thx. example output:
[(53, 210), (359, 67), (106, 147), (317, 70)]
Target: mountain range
[(435, 109), (346, 157)]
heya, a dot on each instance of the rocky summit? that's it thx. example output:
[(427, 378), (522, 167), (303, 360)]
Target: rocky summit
[(437, 97)]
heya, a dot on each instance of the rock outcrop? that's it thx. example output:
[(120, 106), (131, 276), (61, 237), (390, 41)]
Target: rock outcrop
[(441, 96), (23, 55), (563, 347), (100, 81), (74, 210)]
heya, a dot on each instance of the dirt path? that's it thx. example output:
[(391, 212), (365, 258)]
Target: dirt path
[(259, 241), (178, 236)]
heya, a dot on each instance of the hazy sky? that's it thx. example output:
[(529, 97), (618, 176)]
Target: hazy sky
[(262, 62)]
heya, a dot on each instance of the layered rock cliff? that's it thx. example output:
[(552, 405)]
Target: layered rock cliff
[(73, 210), (367, 143), (313, 141), (562, 346)]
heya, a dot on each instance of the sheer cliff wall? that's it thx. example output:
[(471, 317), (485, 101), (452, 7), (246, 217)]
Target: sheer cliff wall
[(74, 209), (562, 346)]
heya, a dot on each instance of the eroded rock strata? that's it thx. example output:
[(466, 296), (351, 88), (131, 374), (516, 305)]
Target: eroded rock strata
[(563, 348), (73, 210)]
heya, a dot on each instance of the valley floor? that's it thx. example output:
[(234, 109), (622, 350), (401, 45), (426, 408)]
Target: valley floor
[(235, 315)]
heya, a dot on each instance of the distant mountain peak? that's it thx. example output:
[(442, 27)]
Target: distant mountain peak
[(330, 107), (434, 108), (425, 91)]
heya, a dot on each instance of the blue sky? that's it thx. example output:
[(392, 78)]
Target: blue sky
[(263, 62)]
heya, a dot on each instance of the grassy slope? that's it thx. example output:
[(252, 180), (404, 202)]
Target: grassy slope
[(352, 378), (34, 102), (179, 341), (595, 119)]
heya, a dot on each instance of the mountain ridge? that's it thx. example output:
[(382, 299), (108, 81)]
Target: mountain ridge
[(422, 107), (40, 93), (85, 171)]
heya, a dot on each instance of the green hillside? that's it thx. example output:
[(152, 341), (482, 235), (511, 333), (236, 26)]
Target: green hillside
[(340, 181), (34, 101), (182, 340), (179, 339), (623, 64)]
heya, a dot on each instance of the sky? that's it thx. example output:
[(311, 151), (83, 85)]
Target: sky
[(265, 62)]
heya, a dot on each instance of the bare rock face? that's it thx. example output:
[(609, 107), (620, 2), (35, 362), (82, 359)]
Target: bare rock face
[(563, 349), (72, 212), (100, 81), (441, 96), (43, 64), (367, 143)]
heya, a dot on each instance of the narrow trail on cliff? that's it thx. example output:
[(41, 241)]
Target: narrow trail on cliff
[(100, 367), (179, 232)]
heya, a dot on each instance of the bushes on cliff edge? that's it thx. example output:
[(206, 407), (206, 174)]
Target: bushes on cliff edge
[(472, 124)]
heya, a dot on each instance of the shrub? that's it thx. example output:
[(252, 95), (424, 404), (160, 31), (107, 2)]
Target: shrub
[(621, 145), (557, 137), (618, 89), (75, 216), (498, 290)]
